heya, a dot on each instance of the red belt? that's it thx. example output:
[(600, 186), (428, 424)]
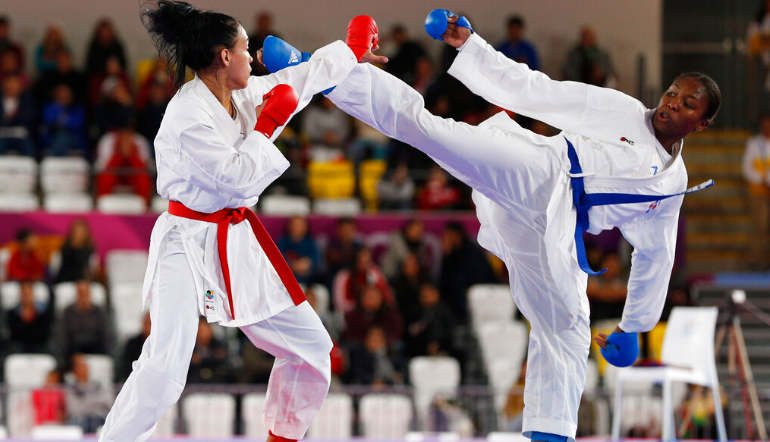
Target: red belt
[(223, 218)]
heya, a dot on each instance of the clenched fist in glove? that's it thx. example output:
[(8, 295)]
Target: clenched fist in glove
[(277, 106), (362, 35)]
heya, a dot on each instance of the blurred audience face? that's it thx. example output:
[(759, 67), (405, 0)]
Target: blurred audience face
[(297, 228), (363, 260), (411, 266), (27, 294), (52, 378), (371, 299), (11, 86), (158, 93), (264, 21), (436, 178), (79, 233), (515, 31), (105, 33), (53, 38), (80, 367), (346, 231), (124, 141), (450, 240), (9, 62), (311, 298), (62, 95), (4, 30), (414, 231), (83, 300), (764, 126), (398, 34), (112, 66), (375, 340), (587, 37), (204, 333), (429, 295), (63, 61)]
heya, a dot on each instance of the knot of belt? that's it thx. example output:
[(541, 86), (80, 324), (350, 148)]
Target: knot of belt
[(223, 218)]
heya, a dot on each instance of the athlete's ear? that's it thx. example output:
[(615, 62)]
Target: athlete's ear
[(224, 56), (702, 124)]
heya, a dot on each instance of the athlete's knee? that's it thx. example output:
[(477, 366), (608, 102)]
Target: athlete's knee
[(161, 382)]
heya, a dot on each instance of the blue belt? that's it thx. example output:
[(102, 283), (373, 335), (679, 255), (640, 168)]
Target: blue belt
[(584, 201)]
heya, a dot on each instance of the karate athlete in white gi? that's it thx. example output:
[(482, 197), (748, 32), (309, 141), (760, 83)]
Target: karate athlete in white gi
[(525, 187), (214, 157)]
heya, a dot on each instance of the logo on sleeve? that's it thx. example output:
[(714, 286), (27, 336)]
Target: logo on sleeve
[(626, 140)]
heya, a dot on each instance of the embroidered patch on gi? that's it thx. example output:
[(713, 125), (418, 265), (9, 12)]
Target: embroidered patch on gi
[(626, 140), (208, 301)]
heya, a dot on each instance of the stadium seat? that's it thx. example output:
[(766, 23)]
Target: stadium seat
[(27, 370), (158, 204), (370, 172), (334, 420), (125, 266), (9, 294), (688, 355), (18, 174), (127, 309), (166, 425), (337, 206), (385, 416), (209, 415), (490, 303), (18, 202), (101, 369), (66, 294), (499, 436), (420, 436), (57, 432), (284, 205), (121, 204), (321, 298), (3, 432), (331, 179), (5, 255), (432, 376), (503, 347), (64, 175), (68, 202), (252, 407)]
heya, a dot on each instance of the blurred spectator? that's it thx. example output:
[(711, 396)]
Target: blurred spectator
[(437, 194), (350, 283), (405, 54), (83, 326), (17, 118), (756, 170), (516, 47), (133, 348), (65, 73), (6, 44), (367, 143), (263, 26), (332, 321), (149, 117), (607, 292), (588, 63), (29, 323), (63, 126), (209, 357), (102, 85), (256, 364), (423, 75), (395, 190), (49, 401), (158, 76), (48, 48), (11, 65), (463, 264), (372, 363), (116, 108), (24, 264), (410, 239), (300, 250), (77, 253), (406, 286), (123, 158), (697, 413), (327, 128), (513, 410), (88, 401), (431, 332), (342, 248), (758, 46), (104, 45), (372, 311)]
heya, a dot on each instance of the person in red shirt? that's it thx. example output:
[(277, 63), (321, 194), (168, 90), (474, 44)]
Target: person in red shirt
[(123, 159), (24, 265), (49, 401), (349, 284), (437, 193)]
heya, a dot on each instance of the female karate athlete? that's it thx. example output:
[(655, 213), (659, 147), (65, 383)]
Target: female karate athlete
[(214, 156), (535, 195)]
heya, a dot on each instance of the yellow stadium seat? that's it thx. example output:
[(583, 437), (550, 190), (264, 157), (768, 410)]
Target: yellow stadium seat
[(370, 172), (332, 179)]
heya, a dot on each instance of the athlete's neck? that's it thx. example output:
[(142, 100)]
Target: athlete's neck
[(219, 89)]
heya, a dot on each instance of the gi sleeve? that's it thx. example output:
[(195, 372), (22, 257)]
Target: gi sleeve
[(208, 163), (654, 242), (327, 67), (568, 105)]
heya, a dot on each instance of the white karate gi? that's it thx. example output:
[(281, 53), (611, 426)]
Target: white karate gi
[(208, 161), (521, 187)]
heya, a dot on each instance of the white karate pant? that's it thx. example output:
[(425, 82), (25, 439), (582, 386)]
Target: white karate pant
[(523, 200), (296, 337)]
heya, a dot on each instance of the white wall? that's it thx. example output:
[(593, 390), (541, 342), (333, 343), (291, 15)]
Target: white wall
[(625, 27)]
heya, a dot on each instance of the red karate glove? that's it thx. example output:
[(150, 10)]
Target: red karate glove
[(362, 35), (280, 103)]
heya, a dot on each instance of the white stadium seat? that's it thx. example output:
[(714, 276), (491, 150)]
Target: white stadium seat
[(64, 175), (18, 174), (490, 302), (66, 294), (209, 415), (499, 436), (166, 425), (57, 432), (18, 202), (9, 294), (503, 347), (337, 206), (159, 204), (27, 370), (334, 420), (385, 416), (101, 369), (432, 376), (252, 407), (125, 266), (127, 309), (121, 204), (284, 205), (68, 203)]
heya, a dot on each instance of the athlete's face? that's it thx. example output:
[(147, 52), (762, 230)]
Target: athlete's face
[(238, 61), (682, 108)]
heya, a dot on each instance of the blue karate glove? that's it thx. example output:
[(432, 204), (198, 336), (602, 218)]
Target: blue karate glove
[(622, 349), (277, 54), (438, 19)]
